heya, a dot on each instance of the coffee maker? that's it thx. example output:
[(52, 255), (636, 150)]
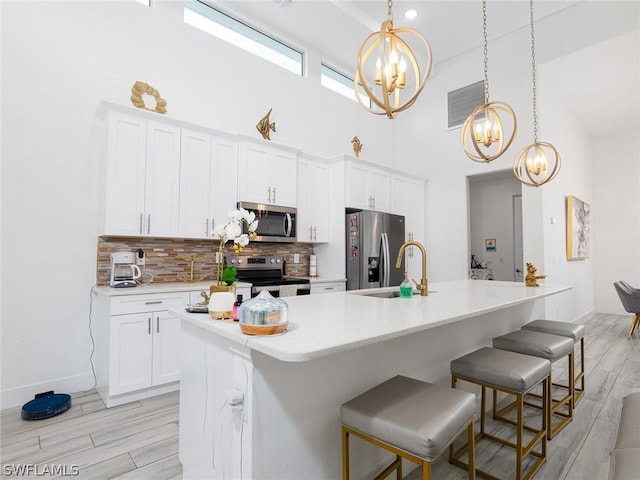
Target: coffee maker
[(124, 270)]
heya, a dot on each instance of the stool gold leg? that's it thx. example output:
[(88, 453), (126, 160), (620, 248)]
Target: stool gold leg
[(345, 454), (426, 470), (471, 452)]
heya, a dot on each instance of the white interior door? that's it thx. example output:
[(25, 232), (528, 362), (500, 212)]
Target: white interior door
[(517, 239)]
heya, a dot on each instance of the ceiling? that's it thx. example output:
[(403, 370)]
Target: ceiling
[(336, 28)]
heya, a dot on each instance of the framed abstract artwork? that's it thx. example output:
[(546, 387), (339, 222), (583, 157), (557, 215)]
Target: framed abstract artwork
[(578, 227)]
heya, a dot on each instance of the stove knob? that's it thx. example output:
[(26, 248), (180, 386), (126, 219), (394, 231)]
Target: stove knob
[(239, 260), (277, 260), (273, 260), (233, 260)]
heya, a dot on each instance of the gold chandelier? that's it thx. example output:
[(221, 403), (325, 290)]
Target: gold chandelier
[(531, 165), (483, 135), (390, 70)]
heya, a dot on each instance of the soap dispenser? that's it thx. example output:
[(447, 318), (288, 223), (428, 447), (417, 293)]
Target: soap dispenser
[(406, 289)]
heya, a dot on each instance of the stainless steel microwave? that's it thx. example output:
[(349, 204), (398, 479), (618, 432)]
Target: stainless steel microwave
[(275, 223)]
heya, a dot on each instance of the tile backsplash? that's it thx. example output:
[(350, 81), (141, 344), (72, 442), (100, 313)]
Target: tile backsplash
[(163, 262)]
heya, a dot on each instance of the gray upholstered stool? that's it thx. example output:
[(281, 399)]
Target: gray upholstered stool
[(574, 331), (413, 419), (552, 348), (514, 374)]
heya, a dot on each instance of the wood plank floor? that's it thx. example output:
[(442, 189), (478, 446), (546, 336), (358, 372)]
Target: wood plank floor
[(139, 440)]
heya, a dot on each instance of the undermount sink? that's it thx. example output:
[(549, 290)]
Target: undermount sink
[(392, 294)]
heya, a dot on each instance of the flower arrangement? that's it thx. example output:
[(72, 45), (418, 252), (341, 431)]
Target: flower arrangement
[(232, 231)]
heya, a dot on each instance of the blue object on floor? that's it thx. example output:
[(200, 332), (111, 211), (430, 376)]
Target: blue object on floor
[(46, 405)]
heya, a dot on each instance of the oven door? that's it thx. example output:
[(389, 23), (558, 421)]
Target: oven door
[(275, 224), (274, 290)]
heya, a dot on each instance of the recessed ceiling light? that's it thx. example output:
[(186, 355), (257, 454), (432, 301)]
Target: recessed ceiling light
[(410, 14)]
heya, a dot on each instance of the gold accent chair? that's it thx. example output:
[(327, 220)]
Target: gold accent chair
[(410, 418), (630, 298)]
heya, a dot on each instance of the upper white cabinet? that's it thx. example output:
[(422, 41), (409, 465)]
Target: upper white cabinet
[(408, 199), (267, 174), (208, 186), (142, 177), (313, 200), (367, 187)]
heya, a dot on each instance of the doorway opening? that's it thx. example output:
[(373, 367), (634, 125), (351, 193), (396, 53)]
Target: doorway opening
[(495, 226)]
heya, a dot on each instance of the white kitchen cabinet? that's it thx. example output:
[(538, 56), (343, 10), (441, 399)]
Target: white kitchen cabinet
[(313, 201), (327, 287), (138, 345), (408, 199), (368, 187), (208, 182), (267, 174), (142, 172)]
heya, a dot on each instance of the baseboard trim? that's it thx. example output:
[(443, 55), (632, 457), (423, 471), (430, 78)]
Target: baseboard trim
[(585, 316), (18, 396)]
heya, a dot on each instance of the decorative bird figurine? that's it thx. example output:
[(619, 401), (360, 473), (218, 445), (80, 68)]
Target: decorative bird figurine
[(357, 146), (265, 127)]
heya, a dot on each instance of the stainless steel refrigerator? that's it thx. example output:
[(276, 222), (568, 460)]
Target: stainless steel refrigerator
[(373, 242)]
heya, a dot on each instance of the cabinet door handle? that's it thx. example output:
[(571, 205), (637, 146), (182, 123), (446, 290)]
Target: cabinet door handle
[(314, 233), (374, 201), (269, 192), (140, 224), (206, 227), (328, 288), (274, 194), (310, 233), (158, 324), (153, 302), (149, 223), (149, 325)]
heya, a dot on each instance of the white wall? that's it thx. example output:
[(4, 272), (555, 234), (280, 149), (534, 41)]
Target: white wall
[(59, 60), (616, 217), (422, 136), (491, 216)]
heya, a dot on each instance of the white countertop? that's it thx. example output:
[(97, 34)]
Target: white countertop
[(162, 288), (321, 325)]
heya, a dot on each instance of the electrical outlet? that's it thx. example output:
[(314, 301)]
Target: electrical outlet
[(296, 258), (140, 258)]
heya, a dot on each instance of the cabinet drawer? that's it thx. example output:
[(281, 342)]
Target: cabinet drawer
[(152, 302), (327, 287)]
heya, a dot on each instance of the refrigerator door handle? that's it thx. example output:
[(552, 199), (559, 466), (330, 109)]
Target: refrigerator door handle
[(385, 262)]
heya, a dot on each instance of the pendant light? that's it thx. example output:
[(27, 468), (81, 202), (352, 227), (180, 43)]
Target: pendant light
[(484, 135), (531, 165), (389, 71)]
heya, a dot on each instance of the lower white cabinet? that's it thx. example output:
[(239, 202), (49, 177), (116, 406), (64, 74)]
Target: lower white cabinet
[(138, 345), (327, 287)]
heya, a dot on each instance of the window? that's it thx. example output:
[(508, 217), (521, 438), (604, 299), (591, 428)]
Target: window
[(221, 25), (461, 103), (340, 83)]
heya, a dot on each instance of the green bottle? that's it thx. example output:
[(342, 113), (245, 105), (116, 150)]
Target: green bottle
[(406, 289)]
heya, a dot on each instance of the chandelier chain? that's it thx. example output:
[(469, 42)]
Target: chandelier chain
[(389, 12), (485, 51), (533, 70)]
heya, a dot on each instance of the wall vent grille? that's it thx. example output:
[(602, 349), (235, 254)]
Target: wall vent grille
[(461, 102)]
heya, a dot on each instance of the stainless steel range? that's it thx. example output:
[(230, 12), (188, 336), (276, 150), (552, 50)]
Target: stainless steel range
[(267, 273)]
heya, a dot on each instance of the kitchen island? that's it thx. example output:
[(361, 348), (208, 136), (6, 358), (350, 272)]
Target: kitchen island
[(269, 407)]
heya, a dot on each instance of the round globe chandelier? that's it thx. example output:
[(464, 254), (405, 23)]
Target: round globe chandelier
[(491, 128), (538, 163), (394, 81)]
